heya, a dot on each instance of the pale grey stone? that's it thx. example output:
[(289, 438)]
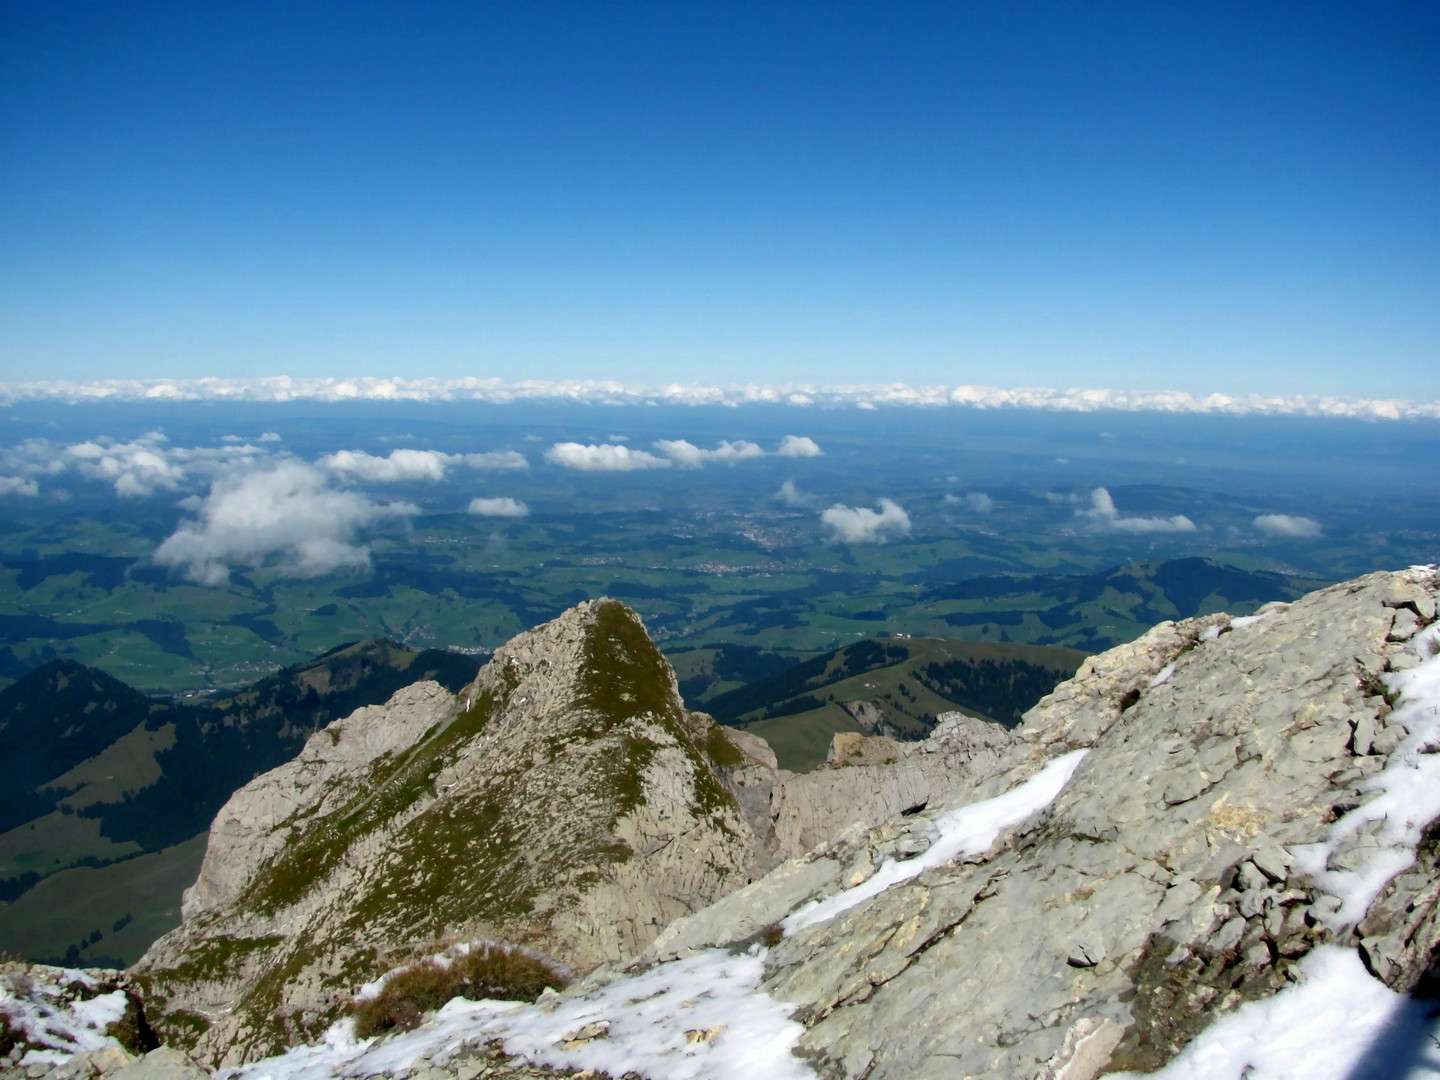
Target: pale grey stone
[(1406, 625), (1211, 776), (162, 1064), (1085, 954)]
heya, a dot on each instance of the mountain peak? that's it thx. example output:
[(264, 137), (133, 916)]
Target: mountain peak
[(564, 800)]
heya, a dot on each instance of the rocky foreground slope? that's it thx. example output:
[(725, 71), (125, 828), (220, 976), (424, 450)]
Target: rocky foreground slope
[(1222, 817)]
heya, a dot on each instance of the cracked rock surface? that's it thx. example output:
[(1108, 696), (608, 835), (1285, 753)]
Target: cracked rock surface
[(1156, 892)]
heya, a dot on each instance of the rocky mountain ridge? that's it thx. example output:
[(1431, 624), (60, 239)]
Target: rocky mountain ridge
[(564, 800), (1223, 816)]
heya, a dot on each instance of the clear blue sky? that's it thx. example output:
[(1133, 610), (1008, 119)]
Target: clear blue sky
[(1200, 196)]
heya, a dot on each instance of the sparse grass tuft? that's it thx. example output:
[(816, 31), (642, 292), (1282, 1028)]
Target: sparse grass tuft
[(772, 935), (486, 971), (721, 750), (133, 1031)]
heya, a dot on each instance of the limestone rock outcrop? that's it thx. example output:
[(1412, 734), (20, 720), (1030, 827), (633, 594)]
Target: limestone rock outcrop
[(874, 778), (565, 800), (1187, 866)]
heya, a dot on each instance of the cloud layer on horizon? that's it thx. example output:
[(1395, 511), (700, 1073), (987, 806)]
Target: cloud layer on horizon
[(605, 392)]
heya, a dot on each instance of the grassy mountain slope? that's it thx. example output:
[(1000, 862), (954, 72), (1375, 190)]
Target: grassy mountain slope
[(891, 686)]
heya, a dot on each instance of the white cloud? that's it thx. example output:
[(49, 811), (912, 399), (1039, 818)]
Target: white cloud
[(149, 464), (499, 508), (287, 514), (33, 457), (1103, 514), (609, 392), (1288, 525), (799, 446), (135, 468), (602, 458), (409, 465), (861, 525), (18, 485), (977, 501), (270, 436), (791, 495), (689, 456), (400, 466)]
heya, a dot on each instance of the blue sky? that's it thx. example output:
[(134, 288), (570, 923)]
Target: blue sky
[(1235, 197)]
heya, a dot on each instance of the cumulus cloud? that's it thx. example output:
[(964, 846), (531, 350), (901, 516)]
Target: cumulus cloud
[(409, 465), (619, 458), (270, 436), (512, 508), (799, 446), (401, 465), (977, 501), (689, 456), (1103, 514), (135, 468), (18, 485), (592, 457), (791, 495), (861, 525), (33, 457), (1288, 525), (149, 464), (287, 516)]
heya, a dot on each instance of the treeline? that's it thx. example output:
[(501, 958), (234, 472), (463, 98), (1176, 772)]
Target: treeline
[(1001, 689)]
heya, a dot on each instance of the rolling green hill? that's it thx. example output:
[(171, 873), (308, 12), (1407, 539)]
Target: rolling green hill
[(1102, 610), (890, 686)]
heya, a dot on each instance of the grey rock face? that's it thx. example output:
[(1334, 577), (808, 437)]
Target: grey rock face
[(815, 807), (162, 1064), (1157, 891), (566, 801)]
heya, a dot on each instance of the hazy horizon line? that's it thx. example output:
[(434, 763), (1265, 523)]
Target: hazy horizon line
[(284, 388)]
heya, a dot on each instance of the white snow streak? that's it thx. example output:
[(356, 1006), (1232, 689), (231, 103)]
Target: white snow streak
[(68, 1028), (969, 830), (656, 1023), (1406, 799), (1341, 1023)]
